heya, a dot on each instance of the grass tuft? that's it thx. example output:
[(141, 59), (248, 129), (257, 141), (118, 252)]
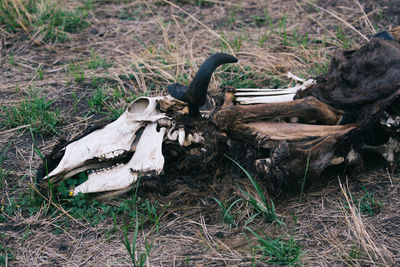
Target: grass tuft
[(367, 203), (226, 212), (96, 62), (32, 112), (3, 172), (109, 101), (279, 251), (5, 255), (77, 72), (259, 202), (137, 259), (41, 20)]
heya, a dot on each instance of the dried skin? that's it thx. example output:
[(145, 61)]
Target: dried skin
[(359, 87), (298, 131), (359, 78), (290, 146), (236, 119)]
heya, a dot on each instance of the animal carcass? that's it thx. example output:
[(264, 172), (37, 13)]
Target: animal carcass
[(349, 111)]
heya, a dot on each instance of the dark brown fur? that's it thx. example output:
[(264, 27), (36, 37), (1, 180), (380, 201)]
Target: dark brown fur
[(358, 79), (360, 85)]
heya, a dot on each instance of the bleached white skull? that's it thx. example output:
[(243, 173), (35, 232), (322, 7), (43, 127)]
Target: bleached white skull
[(117, 154), (147, 159), (103, 147)]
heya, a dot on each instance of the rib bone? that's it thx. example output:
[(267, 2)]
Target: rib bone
[(261, 96)]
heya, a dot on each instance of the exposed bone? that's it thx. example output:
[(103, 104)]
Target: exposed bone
[(336, 161), (263, 165), (184, 140), (181, 136), (261, 96), (265, 99), (195, 138), (172, 134), (111, 155), (265, 92), (111, 140), (353, 158), (169, 103), (148, 159), (165, 122), (390, 121), (388, 150), (294, 77)]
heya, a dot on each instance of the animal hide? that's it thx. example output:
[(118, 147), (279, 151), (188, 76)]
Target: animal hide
[(342, 115)]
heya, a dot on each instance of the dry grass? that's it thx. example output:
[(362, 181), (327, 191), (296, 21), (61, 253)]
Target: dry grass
[(150, 44)]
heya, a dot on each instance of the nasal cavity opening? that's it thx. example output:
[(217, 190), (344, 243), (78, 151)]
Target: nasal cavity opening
[(139, 105)]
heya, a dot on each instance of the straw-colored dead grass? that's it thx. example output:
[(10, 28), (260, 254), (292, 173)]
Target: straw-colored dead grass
[(151, 44)]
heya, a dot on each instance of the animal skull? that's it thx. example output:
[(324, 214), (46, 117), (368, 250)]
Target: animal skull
[(131, 146), (100, 152), (147, 160)]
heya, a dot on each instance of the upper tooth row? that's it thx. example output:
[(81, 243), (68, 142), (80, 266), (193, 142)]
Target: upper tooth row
[(104, 169), (111, 155)]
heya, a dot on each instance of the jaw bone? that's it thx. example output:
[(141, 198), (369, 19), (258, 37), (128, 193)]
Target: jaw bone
[(147, 160), (109, 142)]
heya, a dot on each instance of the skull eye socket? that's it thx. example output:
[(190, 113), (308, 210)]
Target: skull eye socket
[(139, 105)]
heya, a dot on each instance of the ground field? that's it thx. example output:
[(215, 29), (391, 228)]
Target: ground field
[(66, 65)]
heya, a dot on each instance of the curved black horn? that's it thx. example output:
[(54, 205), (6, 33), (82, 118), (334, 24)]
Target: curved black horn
[(195, 94)]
